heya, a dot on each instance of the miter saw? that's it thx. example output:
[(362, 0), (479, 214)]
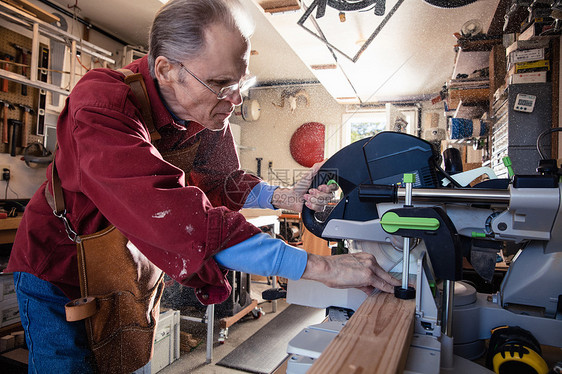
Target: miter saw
[(443, 226)]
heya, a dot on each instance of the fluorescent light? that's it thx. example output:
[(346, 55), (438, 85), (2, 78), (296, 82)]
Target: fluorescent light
[(164, 1)]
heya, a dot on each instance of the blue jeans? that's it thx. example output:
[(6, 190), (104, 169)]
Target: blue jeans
[(55, 345)]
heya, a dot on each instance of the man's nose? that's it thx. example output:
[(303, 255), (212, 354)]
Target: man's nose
[(235, 97)]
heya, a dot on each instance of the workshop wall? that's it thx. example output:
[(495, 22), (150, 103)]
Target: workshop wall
[(269, 137)]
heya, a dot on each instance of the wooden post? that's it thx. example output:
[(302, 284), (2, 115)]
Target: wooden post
[(376, 339)]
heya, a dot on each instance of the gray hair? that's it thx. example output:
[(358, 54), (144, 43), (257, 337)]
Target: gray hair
[(178, 30)]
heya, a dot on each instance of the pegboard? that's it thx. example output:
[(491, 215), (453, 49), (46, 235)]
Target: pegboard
[(14, 95)]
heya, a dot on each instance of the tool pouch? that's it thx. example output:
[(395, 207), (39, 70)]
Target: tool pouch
[(121, 291)]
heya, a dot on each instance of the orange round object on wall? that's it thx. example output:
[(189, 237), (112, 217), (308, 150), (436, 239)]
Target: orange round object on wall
[(307, 144)]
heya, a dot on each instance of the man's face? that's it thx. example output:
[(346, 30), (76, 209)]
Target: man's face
[(223, 62)]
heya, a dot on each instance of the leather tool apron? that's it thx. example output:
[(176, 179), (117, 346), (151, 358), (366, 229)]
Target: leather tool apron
[(120, 287)]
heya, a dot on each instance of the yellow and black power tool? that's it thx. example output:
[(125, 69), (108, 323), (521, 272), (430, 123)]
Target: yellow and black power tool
[(513, 350)]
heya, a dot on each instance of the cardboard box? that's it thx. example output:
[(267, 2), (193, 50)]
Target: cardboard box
[(166, 341), (539, 64), (535, 29), (526, 55), (19, 338), (529, 67), (7, 289), (9, 313), (6, 343), (532, 77), (526, 44)]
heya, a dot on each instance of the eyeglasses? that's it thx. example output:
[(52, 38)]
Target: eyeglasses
[(244, 84)]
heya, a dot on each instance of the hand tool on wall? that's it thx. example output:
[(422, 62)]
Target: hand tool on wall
[(43, 63), (25, 58), (5, 106), (26, 112), (14, 125), (6, 66), (21, 58), (57, 58)]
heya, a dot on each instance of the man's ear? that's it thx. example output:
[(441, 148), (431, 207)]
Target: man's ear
[(163, 70)]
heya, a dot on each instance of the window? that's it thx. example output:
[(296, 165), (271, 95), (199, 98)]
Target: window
[(362, 125)]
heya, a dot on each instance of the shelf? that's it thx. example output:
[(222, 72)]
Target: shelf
[(468, 97), (37, 27), (465, 141), (18, 78), (468, 45), (469, 111)]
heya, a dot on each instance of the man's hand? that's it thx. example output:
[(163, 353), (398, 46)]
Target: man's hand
[(357, 270), (314, 198)]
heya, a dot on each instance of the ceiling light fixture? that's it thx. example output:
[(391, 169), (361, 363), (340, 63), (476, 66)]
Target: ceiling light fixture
[(449, 3), (164, 1), (347, 5)]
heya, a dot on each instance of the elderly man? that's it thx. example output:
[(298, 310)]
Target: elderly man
[(176, 198)]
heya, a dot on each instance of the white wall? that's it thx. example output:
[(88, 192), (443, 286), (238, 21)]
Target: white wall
[(270, 135), (24, 180)]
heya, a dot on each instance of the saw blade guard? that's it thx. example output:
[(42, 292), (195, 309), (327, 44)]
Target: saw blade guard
[(388, 255)]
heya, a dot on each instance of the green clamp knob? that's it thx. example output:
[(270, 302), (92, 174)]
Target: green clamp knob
[(507, 162), (392, 222), (475, 234), (409, 178)]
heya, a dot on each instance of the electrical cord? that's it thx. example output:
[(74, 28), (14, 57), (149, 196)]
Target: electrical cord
[(270, 170), (6, 191), (539, 139), (81, 64), (449, 177)]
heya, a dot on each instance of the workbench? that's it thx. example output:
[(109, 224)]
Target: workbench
[(8, 228)]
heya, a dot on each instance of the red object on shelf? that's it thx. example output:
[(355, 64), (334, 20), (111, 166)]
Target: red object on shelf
[(307, 144)]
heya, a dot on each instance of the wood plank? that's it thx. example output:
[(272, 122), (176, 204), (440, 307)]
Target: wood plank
[(10, 223), (8, 228), (275, 6), (38, 12), (376, 339), (315, 245), (229, 321), (468, 97)]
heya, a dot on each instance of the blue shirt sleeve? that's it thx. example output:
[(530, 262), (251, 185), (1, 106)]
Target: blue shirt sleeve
[(260, 196), (263, 255)]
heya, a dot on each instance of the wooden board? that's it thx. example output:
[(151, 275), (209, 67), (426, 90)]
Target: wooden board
[(315, 245), (468, 97), (8, 228), (375, 340), (43, 15), (274, 6)]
